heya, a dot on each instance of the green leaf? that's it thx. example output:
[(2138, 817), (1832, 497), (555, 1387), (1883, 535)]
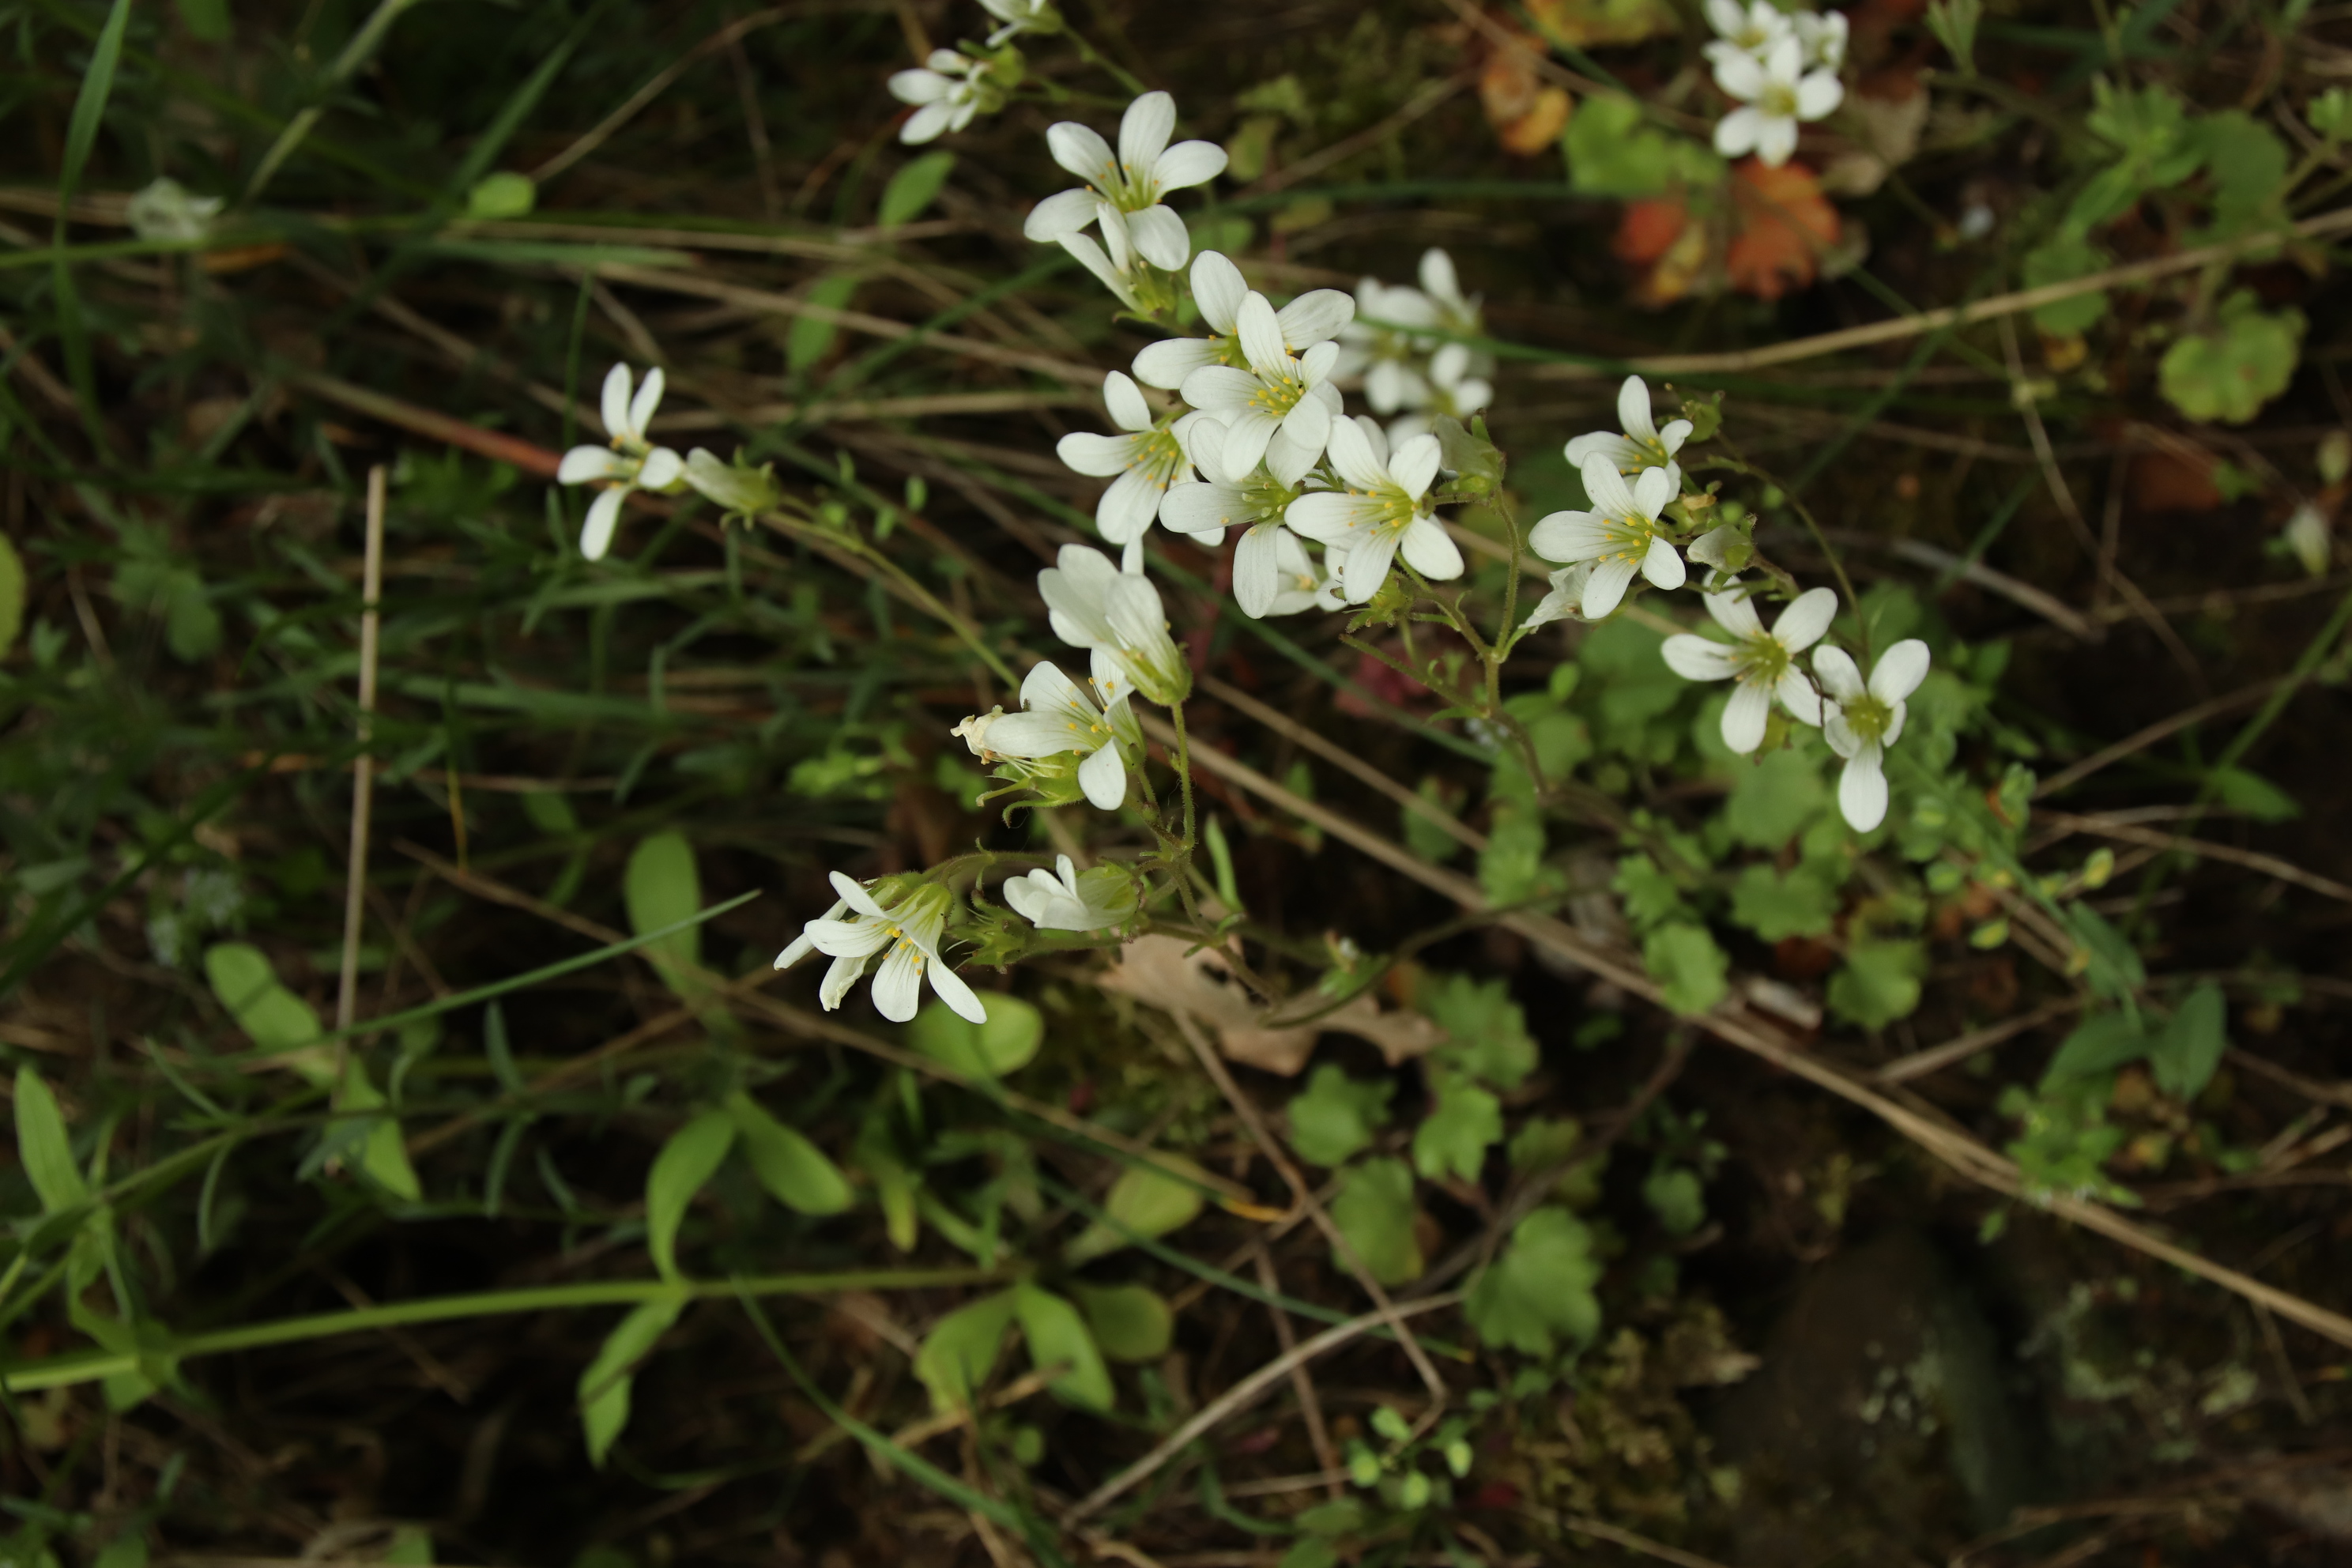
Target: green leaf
[(604, 1388), (383, 1157), (1880, 981), (411, 1547), (1773, 799), (1539, 1290), (810, 338), (45, 1148), (2228, 371), (1460, 1128), (2254, 795), (1776, 907), (1310, 1552), (2246, 166), (2189, 1049), (2062, 258), (2331, 113), (662, 887), (1611, 152), (679, 1171), (1131, 1322), (2115, 970), (12, 606), (1006, 1043), (1511, 868), (505, 195), (1651, 896), (275, 1020), (1687, 965), (795, 1172), (1057, 1334), (913, 188), (126, 1550), (206, 20), (1374, 1211), (1145, 1200), (1486, 1031), (2099, 1044), (962, 1348), (1334, 1121), (1677, 1196)]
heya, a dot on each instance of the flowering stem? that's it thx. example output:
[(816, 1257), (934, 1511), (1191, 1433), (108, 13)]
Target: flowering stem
[(1812, 525), (1183, 780), (1094, 57), (924, 598)]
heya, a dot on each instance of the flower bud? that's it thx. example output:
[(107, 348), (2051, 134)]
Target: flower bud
[(737, 489)]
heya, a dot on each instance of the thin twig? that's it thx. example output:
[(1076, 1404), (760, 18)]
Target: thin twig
[(1330, 752), (1238, 1398), (1302, 1381), (1935, 1058), (2140, 740), (2203, 848), (346, 990), (630, 106)]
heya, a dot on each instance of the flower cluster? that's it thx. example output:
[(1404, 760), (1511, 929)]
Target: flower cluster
[(1781, 67), (1406, 344)]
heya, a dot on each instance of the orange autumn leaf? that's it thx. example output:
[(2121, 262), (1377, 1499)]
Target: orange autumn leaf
[(1528, 116), (1649, 227), (1785, 223)]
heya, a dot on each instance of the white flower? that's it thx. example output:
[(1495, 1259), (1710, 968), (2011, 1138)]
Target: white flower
[(908, 931), (2307, 538), (631, 462), (1775, 92), (1252, 498), (1457, 311), (163, 209), (1763, 663), (1074, 900), (947, 89), (1448, 389), (1025, 17), (1823, 35), (1643, 445), (1057, 718), (1130, 182), (1619, 535), (1299, 585), (1384, 510), (1751, 29), (1118, 617), (1861, 721), (1385, 344), (1147, 460), (1566, 600), (1114, 260), (1276, 393), (1315, 317)]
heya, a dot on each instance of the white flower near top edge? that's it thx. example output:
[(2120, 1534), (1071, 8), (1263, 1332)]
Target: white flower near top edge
[(1823, 35), (1141, 465), (1118, 619), (1130, 181), (1057, 718), (1072, 899), (1762, 663), (1775, 92), (1859, 720), (1252, 497), (631, 462), (1277, 392), (1619, 535), (1385, 510), (904, 935), (947, 90), (1021, 17), (1639, 444), (1315, 317), (1749, 29)]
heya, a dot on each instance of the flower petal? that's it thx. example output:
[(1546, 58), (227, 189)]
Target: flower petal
[(1314, 317), (1776, 140), (582, 464), (1736, 133), (1652, 489), (1619, 452), (1309, 423), (1167, 362), (1606, 486), (1187, 163), (920, 87), (844, 973), (1429, 550), (1819, 94), (604, 516), (1160, 238), (1634, 409), (1861, 789), (1368, 563), (853, 892), (1353, 455), (1046, 686), (1606, 588), (616, 401), (1098, 456), (1082, 151), (1689, 655), (1735, 613), (1103, 776), (1739, 73), (1661, 565), (642, 406), (1900, 671), (1222, 387), (662, 468), (1802, 624), (1257, 570), (1246, 436), (899, 983), (1127, 508), (1798, 696), (1744, 718), (1125, 400), (1438, 279), (1203, 508), (1063, 212), (1569, 536), (1413, 464), (1218, 289), (958, 996), (1143, 132), (1839, 677), (1261, 337), (1327, 515)]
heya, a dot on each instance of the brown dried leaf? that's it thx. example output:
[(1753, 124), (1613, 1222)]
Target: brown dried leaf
[(1158, 970)]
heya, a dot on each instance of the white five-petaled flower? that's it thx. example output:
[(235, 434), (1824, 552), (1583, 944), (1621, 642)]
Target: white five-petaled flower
[(1315, 317), (1277, 392), (1118, 617), (1749, 29), (1058, 717), (1643, 445), (1252, 498), (1824, 33), (1022, 16), (905, 935), (631, 462), (1763, 663), (1861, 720), (1384, 512), (1131, 180), (1073, 900), (1146, 461), (947, 90), (1405, 365), (165, 209), (1775, 92), (1619, 535)]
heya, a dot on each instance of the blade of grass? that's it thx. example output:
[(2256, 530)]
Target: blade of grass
[(81, 135)]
